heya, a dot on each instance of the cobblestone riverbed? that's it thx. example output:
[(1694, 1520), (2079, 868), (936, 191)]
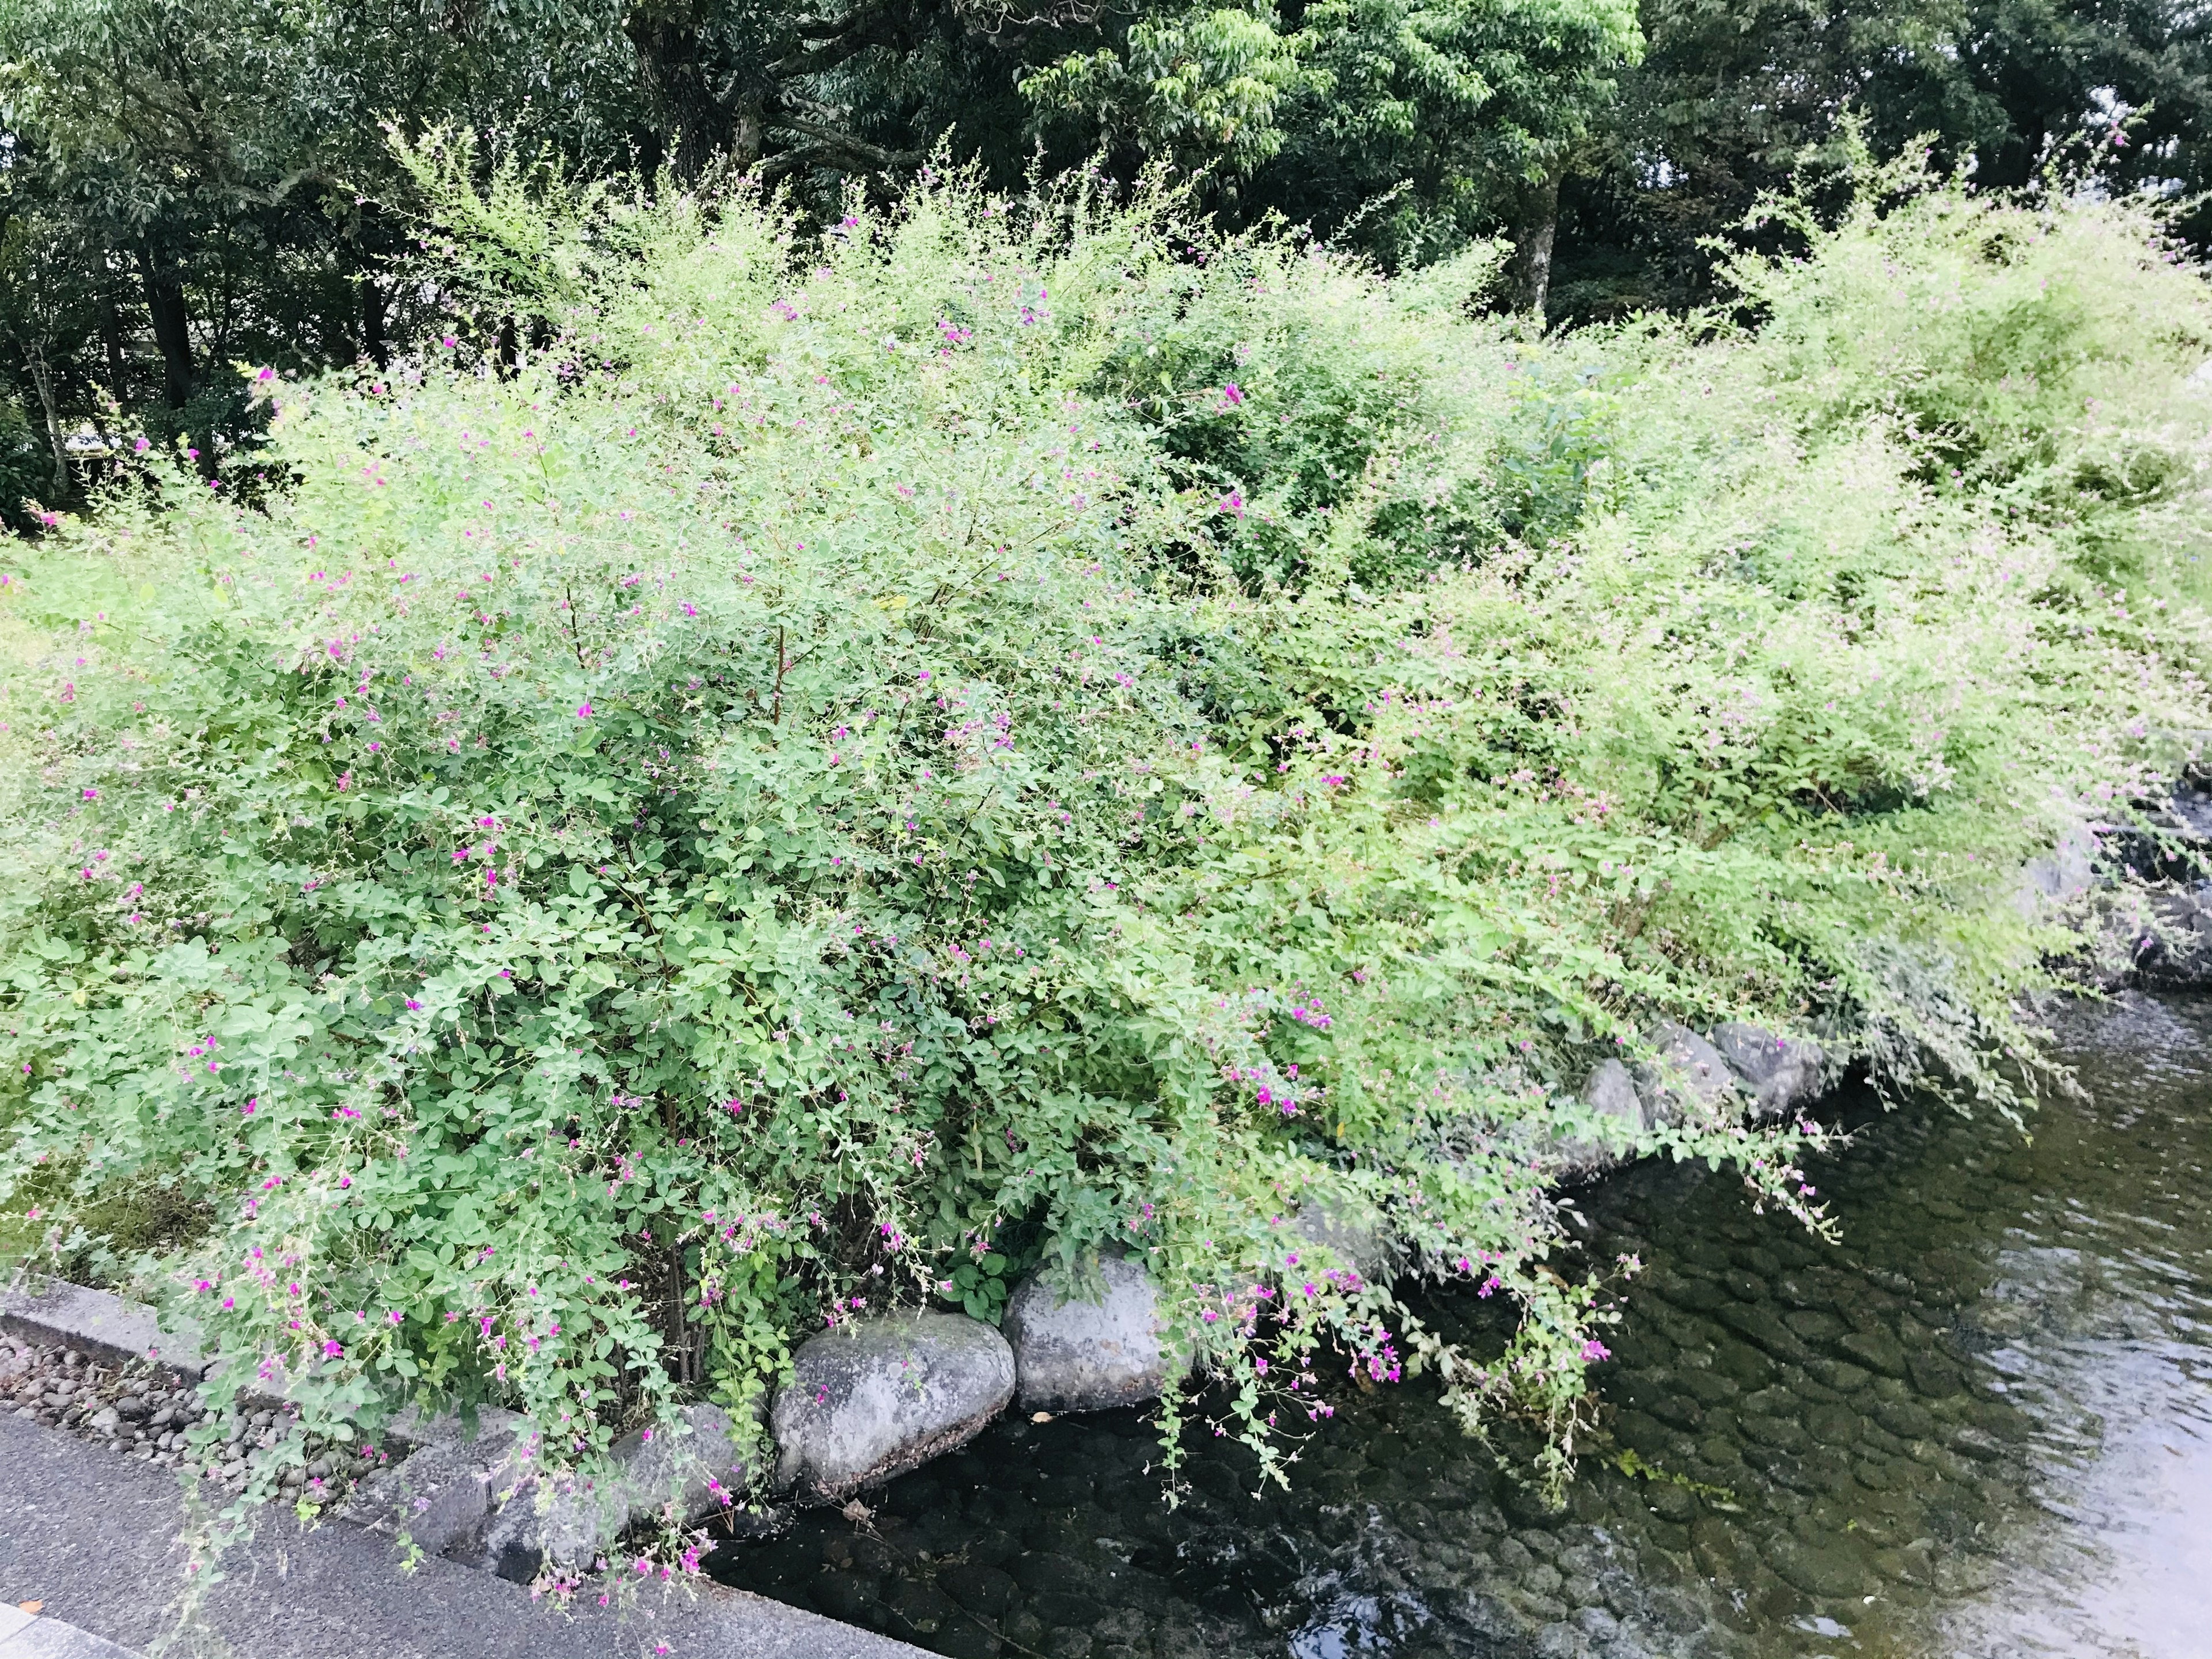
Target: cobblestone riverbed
[(1975, 1426)]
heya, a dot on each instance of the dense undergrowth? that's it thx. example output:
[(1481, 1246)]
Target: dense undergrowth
[(1021, 725)]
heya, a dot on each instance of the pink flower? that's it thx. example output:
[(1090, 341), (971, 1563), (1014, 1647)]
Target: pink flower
[(583, 711), (92, 794), (332, 1351), (1231, 395), (247, 1110)]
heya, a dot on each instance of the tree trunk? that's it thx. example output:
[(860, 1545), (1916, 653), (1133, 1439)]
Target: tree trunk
[(1531, 244), (374, 344), (42, 376), (675, 61), (746, 143), (165, 300), (118, 362)]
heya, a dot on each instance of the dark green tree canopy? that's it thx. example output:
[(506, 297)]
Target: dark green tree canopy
[(194, 184)]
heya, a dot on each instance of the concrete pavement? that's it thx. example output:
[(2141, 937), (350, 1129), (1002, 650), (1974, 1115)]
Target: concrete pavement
[(101, 1542)]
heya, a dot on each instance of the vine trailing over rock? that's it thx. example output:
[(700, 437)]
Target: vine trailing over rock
[(1028, 725)]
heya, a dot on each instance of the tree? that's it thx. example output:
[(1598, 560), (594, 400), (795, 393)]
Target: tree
[(215, 166), (1409, 127), (46, 312), (1732, 99)]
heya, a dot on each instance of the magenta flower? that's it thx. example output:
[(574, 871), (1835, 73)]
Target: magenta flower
[(583, 711)]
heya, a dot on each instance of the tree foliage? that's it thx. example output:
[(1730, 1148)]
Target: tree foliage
[(1733, 100)]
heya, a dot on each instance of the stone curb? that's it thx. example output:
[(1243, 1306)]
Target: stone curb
[(122, 1332), (101, 1323)]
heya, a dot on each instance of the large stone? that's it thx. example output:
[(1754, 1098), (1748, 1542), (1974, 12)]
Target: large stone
[(2170, 945), (1609, 1092), (479, 1501), (1081, 1349), (682, 1471), (1359, 1241), (440, 1496), (871, 1400), (1685, 1074), (2061, 876), (699, 1467), (1780, 1073), (563, 1521), (411, 1428)]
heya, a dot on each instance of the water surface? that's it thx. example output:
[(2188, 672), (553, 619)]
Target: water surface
[(1979, 1426)]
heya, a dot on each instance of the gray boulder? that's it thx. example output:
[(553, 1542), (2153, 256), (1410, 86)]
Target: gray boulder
[(1609, 1092), (1780, 1073), (2061, 876), (1358, 1240), (481, 1503), (2170, 946), (871, 1401), (441, 1495), (561, 1519), (413, 1428), (700, 1468), (1080, 1349), (1686, 1074)]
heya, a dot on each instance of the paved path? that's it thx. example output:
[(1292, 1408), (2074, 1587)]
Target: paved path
[(27, 1635), (97, 1541)]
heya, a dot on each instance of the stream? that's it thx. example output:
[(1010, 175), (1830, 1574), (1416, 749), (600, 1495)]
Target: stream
[(1976, 1427)]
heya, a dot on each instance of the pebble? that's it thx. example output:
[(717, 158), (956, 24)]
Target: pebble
[(138, 1413)]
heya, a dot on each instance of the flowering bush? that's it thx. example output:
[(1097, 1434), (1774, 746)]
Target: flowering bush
[(861, 758)]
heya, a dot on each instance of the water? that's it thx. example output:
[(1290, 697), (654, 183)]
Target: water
[(1978, 1427)]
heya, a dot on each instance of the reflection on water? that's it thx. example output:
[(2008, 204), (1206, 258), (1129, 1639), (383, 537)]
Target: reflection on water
[(1979, 1427)]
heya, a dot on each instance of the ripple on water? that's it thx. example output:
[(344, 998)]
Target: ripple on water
[(1979, 1425)]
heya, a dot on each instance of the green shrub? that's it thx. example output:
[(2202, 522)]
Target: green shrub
[(861, 763)]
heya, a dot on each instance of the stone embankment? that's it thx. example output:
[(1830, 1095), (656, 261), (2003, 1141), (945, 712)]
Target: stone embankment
[(2144, 887), (865, 1402)]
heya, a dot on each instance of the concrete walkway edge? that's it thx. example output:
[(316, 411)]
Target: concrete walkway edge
[(104, 1546), (33, 1636)]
